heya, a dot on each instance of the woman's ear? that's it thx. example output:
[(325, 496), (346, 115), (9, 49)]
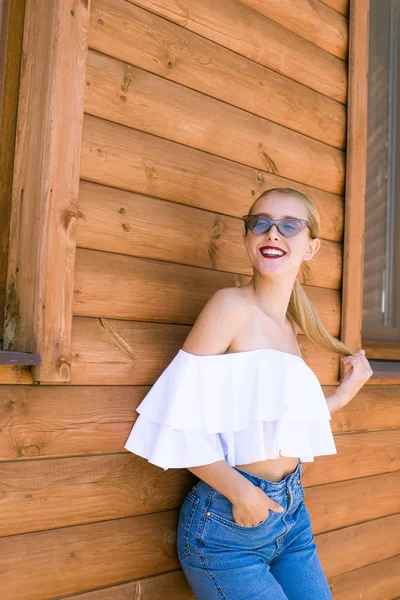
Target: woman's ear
[(313, 248)]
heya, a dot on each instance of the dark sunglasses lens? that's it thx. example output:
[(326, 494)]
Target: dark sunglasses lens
[(288, 228), (259, 224)]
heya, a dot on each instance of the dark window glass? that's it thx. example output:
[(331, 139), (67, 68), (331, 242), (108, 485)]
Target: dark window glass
[(381, 298)]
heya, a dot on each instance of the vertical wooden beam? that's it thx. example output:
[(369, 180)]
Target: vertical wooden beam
[(38, 315), (354, 218), (11, 32)]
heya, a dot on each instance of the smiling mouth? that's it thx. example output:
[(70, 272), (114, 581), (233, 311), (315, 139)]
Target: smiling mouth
[(272, 254)]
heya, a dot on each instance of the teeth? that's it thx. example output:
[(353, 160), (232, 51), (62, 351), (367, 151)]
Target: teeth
[(276, 252)]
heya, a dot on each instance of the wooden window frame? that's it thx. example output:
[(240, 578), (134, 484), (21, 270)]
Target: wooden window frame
[(384, 371), (383, 343), (11, 32), (44, 199)]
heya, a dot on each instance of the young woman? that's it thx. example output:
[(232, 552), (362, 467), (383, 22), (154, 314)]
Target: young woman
[(239, 407)]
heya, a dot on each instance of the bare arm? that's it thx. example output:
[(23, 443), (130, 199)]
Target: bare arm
[(226, 480)]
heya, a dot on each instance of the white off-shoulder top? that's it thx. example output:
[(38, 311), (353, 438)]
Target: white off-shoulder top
[(240, 407)]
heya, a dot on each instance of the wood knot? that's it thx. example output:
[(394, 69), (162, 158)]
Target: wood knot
[(70, 217)]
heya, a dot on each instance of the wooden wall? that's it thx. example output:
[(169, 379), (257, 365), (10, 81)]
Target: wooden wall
[(191, 110)]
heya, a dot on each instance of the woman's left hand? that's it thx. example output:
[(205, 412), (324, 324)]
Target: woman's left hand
[(355, 378)]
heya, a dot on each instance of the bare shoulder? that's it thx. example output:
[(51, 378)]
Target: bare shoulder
[(216, 326)]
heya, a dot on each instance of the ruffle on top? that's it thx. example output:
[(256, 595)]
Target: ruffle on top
[(240, 407)]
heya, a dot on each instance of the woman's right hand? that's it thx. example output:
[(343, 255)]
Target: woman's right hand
[(254, 508)]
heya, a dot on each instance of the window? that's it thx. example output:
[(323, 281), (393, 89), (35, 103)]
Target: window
[(381, 289)]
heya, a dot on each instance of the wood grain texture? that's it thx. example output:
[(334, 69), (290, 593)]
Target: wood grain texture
[(119, 352), (63, 421), (378, 581), (48, 564), (72, 421), (133, 288), (314, 21), (98, 419), (45, 191), (243, 30), (126, 32), (71, 491), (362, 454), (218, 244), (124, 158), (353, 251), (16, 374), (168, 586), (373, 407), (357, 546), (125, 223), (341, 6), (63, 492), (44, 565), (362, 499), (11, 25), (155, 105)]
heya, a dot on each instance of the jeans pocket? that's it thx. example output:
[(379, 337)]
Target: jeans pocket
[(232, 523), (186, 516), (221, 510), (222, 533)]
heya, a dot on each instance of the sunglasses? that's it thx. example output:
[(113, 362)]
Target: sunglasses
[(260, 224)]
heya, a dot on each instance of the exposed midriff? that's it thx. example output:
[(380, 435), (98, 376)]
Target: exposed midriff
[(272, 469)]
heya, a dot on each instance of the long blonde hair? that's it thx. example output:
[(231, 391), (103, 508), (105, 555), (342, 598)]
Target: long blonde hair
[(300, 310)]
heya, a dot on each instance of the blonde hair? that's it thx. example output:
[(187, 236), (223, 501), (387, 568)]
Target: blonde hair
[(300, 310)]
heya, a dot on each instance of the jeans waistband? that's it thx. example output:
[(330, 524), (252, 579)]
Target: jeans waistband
[(288, 483)]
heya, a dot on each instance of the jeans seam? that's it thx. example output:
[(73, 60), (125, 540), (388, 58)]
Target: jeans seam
[(213, 577), (185, 552)]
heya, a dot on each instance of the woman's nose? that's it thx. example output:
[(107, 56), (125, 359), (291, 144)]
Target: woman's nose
[(273, 230)]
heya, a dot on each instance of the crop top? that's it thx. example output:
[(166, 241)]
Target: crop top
[(241, 407)]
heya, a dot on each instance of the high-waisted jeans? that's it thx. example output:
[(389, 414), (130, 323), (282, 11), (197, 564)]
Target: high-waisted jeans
[(274, 560)]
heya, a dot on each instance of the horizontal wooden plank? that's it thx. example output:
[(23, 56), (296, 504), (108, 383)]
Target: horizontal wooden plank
[(116, 221), (216, 246), (315, 22), (70, 491), (382, 378), (56, 421), (120, 279), (379, 581), (373, 407), (168, 586), (119, 352), (62, 492), (239, 28), (16, 374), (337, 505), (358, 455), (185, 176), (150, 105), (341, 6), (124, 278), (49, 564), (127, 32), (350, 548)]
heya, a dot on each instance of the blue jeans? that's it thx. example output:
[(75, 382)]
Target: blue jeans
[(274, 560)]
